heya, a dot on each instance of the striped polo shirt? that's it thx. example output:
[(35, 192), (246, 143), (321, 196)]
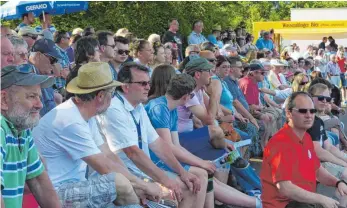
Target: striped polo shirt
[(19, 160)]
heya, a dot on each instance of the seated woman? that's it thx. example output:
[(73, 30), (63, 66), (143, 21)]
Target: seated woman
[(159, 55), (162, 111)]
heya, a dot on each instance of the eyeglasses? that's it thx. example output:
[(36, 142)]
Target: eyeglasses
[(321, 98), (112, 46), (303, 83), (192, 95), (142, 83), (121, 52), (34, 37), (304, 110), (52, 60)]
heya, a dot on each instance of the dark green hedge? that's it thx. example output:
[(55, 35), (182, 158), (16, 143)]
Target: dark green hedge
[(144, 18)]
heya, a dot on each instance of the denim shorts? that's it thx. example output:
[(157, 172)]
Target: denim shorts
[(343, 80), (98, 191)]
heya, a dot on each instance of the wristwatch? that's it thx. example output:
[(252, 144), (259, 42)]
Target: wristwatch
[(338, 182)]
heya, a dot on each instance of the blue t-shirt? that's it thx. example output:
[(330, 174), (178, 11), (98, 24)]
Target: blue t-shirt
[(262, 43), (226, 98), (160, 114), (236, 92)]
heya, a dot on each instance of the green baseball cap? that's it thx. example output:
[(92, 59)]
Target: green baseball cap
[(198, 64), (12, 75)]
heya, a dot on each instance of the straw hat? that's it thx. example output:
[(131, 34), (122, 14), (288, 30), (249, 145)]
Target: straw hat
[(92, 77)]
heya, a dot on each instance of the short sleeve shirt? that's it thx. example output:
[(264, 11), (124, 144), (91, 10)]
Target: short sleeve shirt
[(120, 130), (64, 137), (250, 90), (274, 80), (287, 158), (17, 164), (185, 116), (160, 114), (236, 91), (317, 131)]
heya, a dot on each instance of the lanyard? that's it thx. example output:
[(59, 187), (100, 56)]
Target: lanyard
[(114, 72), (138, 125)]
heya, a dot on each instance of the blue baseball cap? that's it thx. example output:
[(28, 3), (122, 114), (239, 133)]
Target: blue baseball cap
[(46, 46)]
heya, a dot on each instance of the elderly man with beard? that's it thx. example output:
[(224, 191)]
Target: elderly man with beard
[(20, 161), (69, 139)]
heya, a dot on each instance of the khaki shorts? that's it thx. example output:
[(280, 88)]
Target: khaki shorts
[(333, 169)]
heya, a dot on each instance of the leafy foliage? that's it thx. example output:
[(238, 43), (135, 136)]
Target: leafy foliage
[(144, 18)]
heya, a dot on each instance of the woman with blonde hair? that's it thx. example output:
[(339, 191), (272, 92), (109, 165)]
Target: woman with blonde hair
[(153, 38)]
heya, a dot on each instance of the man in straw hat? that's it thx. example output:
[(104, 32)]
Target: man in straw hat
[(20, 161), (69, 139)]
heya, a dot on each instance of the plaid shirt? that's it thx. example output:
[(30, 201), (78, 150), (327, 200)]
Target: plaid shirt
[(65, 63)]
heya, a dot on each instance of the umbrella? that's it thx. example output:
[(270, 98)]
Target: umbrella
[(15, 9)]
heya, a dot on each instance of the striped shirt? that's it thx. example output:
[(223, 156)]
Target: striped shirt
[(19, 160)]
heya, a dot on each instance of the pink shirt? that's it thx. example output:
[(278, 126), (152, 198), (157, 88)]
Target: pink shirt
[(250, 90), (185, 121)]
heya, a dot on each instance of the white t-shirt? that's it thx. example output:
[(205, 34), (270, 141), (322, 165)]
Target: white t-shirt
[(63, 137), (119, 128)]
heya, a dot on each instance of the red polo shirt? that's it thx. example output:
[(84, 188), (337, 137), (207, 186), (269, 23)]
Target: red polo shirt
[(286, 158), (250, 90), (341, 63)]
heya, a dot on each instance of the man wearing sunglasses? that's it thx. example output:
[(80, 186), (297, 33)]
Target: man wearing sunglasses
[(122, 53), (29, 34), (108, 49), (334, 159), (44, 57), (291, 168)]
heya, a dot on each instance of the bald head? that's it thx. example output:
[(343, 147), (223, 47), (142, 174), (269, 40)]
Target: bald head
[(7, 52), (207, 54), (5, 31)]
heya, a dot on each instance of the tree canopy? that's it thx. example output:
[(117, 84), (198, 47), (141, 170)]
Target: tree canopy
[(145, 18)]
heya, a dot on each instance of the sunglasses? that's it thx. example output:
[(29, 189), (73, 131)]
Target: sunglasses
[(304, 111), (52, 60), (121, 52), (142, 83), (34, 37), (322, 98)]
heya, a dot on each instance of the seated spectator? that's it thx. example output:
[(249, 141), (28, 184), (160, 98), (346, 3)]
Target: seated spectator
[(87, 50), (154, 38), (277, 68), (131, 136), (249, 46), (265, 42), (191, 52), (107, 49), (7, 52), (162, 111), (122, 53), (61, 39), (331, 157), (290, 165), (169, 55), (159, 55), (68, 158), (29, 34), (143, 52), (20, 106), (249, 87), (21, 54), (208, 46), (71, 50), (44, 57), (77, 31)]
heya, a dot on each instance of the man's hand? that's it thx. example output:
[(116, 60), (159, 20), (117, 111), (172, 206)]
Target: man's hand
[(327, 202), (191, 181), (174, 186), (64, 73), (208, 166), (342, 189), (253, 121)]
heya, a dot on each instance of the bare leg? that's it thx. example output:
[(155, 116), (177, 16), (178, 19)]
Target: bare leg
[(231, 196), (223, 178), (188, 197), (125, 192), (201, 196)]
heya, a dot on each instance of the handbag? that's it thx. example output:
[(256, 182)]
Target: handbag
[(230, 132)]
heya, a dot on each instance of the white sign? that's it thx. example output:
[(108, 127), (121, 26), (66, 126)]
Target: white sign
[(35, 7)]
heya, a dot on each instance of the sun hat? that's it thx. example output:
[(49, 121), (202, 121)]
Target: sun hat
[(92, 77), (276, 62)]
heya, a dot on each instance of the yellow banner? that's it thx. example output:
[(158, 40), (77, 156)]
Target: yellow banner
[(301, 25)]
